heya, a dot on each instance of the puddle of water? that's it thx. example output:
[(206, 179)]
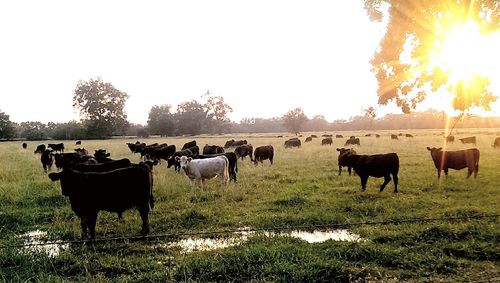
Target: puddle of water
[(190, 245), (33, 238)]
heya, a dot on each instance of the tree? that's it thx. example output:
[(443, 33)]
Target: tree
[(294, 119), (101, 107), (190, 117), (418, 30), (161, 121), (7, 127), (217, 111), (34, 130)]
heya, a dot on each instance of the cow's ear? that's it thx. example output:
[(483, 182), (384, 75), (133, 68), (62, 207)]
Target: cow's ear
[(55, 176), (189, 159), (440, 149), (428, 148), (338, 149)]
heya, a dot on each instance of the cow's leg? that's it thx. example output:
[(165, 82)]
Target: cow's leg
[(469, 172), (91, 222), (349, 170), (395, 178), (446, 172), (364, 179), (144, 211), (83, 224), (387, 179), (439, 173), (476, 170), (340, 169), (120, 215)]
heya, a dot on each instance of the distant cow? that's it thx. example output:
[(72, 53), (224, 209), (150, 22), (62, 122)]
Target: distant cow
[(450, 139), (231, 157), (394, 137), (308, 139), (314, 136), (240, 142), (201, 169), (352, 141), (262, 153), (47, 159), (444, 160), (294, 142), (342, 160), (57, 147), (377, 135), (409, 135), (212, 149), (78, 142), (368, 135), (163, 152), (189, 144), (471, 140), (25, 145), (339, 136), (326, 136), (40, 148), (113, 191), (400, 134), (378, 165), (194, 149), (229, 143), (496, 143), (326, 141), (244, 150)]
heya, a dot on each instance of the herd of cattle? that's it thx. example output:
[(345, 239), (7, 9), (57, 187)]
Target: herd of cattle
[(122, 185)]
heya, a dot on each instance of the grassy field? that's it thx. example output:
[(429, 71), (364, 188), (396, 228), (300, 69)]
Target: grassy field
[(301, 188)]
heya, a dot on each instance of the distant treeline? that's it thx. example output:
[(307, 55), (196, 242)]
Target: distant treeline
[(431, 119)]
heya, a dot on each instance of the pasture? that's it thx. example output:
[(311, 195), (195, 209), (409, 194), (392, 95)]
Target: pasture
[(302, 188)]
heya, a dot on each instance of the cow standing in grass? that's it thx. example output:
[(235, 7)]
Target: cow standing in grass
[(341, 159), (460, 159), (198, 170)]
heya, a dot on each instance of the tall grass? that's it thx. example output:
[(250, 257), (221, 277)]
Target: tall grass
[(301, 188)]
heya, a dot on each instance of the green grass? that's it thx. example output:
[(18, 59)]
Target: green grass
[(301, 188)]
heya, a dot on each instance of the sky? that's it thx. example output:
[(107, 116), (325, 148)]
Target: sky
[(263, 57)]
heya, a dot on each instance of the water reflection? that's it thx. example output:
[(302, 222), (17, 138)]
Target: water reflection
[(33, 239)]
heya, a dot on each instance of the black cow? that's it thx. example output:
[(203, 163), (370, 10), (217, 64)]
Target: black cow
[(57, 147), (78, 142), (293, 142), (189, 144), (409, 135), (444, 160), (262, 153), (176, 163), (368, 135), (326, 136), (231, 157), (71, 159), (164, 152), (103, 167), (82, 151), (471, 140), (339, 136), (450, 139), (229, 143), (25, 145), (327, 141), (40, 148), (314, 136), (341, 159), (352, 141), (394, 137), (244, 150), (102, 156), (377, 135), (378, 165), (47, 159), (240, 142), (308, 139), (113, 191), (496, 143), (212, 149)]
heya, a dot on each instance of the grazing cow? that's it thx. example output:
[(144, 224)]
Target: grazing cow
[(326, 141), (314, 136), (378, 165), (208, 168), (471, 140), (240, 142), (339, 136), (308, 139), (113, 191), (189, 144), (194, 149), (409, 135), (25, 145), (377, 135), (294, 142), (176, 163), (56, 147), (444, 160), (352, 141), (47, 159), (368, 135), (229, 143), (400, 134), (341, 159), (212, 149), (40, 148), (450, 139), (163, 152), (326, 136), (78, 142), (394, 137), (262, 153), (496, 143), (244, 150)]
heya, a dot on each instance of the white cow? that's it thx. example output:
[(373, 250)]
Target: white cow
[(201, 169)]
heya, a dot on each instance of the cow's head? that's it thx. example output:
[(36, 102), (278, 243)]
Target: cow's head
[(435, 152), (184, 161)]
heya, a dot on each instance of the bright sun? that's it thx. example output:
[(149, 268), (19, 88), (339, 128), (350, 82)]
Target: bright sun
[(465, 52)]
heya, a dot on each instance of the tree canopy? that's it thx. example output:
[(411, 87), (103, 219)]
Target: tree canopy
[(161, 121), (294, 119), (7, 127), (101, 107), (408, 63)]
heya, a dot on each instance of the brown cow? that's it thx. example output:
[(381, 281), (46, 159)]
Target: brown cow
[(443, 160)]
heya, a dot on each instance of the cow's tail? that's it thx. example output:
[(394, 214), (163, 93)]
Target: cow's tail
[(476, 166)]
